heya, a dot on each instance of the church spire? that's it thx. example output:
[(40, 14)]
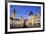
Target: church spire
[(14, 10), (14, 13)]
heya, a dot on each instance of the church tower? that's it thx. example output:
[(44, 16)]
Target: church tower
[(14, 14)]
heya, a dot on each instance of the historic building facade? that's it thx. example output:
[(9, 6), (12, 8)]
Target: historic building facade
[(33, 21)]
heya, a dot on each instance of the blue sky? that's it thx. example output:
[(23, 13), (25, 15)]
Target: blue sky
[(24, 10)]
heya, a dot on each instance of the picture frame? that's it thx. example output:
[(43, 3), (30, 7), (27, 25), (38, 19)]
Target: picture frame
[(23, 4)]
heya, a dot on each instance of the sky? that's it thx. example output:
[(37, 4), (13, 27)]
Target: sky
[(23, 11)]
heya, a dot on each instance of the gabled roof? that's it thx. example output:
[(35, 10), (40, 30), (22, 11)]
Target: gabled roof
[(11, 18)]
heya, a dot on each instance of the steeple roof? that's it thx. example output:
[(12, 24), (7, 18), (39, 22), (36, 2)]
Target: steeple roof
[(31, 13), (14, 10)]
